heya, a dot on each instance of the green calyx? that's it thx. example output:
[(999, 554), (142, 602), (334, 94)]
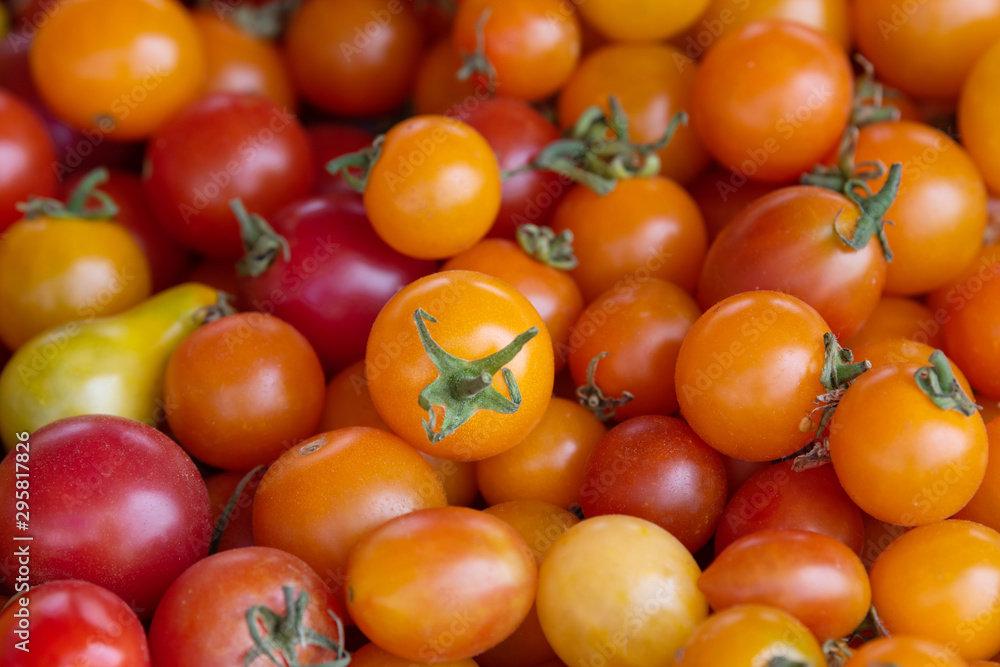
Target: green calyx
[(477, 62), (260, 242), (545, 246), (598, 153), (463, 387), (283, 635), (355, 168), (223, 307), (75, 206), (839, 367), (873, 209), (782, 661), (846, 170), (264, 20), (594, 399), (871, 99), (939, 383)]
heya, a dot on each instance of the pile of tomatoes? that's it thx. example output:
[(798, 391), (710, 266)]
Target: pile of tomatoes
[(509, 333)]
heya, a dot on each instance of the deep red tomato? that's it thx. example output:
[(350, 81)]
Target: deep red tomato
[(778, 497), (71, 623), (772, 99), (329, 141), (517, 132), (475, 561), (238, 532), (337, 276), (721, 195), (813, 577), (658, 469), (113, 502), (215, 608), (28, 157), (222, 147)]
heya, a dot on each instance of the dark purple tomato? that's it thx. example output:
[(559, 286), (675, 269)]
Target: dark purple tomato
[(111, 501), (26, 157), (778, 497), (329, 141), (517, 132), (338, 276), (71, 623), (222, 147), (656, 468)]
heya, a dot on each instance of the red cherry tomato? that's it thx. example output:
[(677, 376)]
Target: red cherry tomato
[(28, 157), (329, 141)]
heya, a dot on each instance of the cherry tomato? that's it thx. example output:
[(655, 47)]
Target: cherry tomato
[(899, 456), (878, 536), (329, 141), (336, 485), (354, 57), (552, 291), (26, 169), (739, 471), (436, 86), (532, 45), (72, 622), (938, 175), (902, 350), (371, 655), (941, 582), (898, 317), (113, 502), (475, 561), (238, 532), (972, 323), (658, 469), (517, 133), (790, 241), (640, 328), (222, 147), (241, 390), (641, 608), (990, 405), (984, 507), (780, 498), (653, 82), (238, 62), (815, 578), (549, 464), (752, 635), (348, 403), (121, 68), (337, 276), (904, 652), (438, 324), (647, 227), (539, 525), (765, 347), (797, 81), (209, 610), (926, 49), (721, 195), (639, 20), (725, 16), (976, 108)]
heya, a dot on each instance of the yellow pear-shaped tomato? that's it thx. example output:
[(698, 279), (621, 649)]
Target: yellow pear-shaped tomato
[(111, 365)]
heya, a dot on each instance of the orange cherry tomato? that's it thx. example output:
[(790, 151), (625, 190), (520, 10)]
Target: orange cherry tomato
[(765, 347), (552, 292), (641, 20), (348, 403), (813, 577), (539, 524), (320, 497), (903, 350), (237, 62), (435, 189), (925, 48), (972, 323), (941, 582), (644, 228), (532, 45), (772, 99), (354, 57), (904, 652), (401, 572), (442, 322), (898, 317), (241, 390), (639, 329), (653, 82), (549, 464), (984, 507), (902, 458), (371, 655), (977, 109), (751, 635), (938, 175), (118, 67), (436, 86)]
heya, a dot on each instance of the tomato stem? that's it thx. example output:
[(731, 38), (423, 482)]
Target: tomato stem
[(227, 512), (873, 209), (838, 176), (867, 112), (266, 20), (223, 307), (285, 634), (260, 242), (545, 246), (463, 387), (76, 205), (355, 168), (939, 383), (477, 62), (593, 397)]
